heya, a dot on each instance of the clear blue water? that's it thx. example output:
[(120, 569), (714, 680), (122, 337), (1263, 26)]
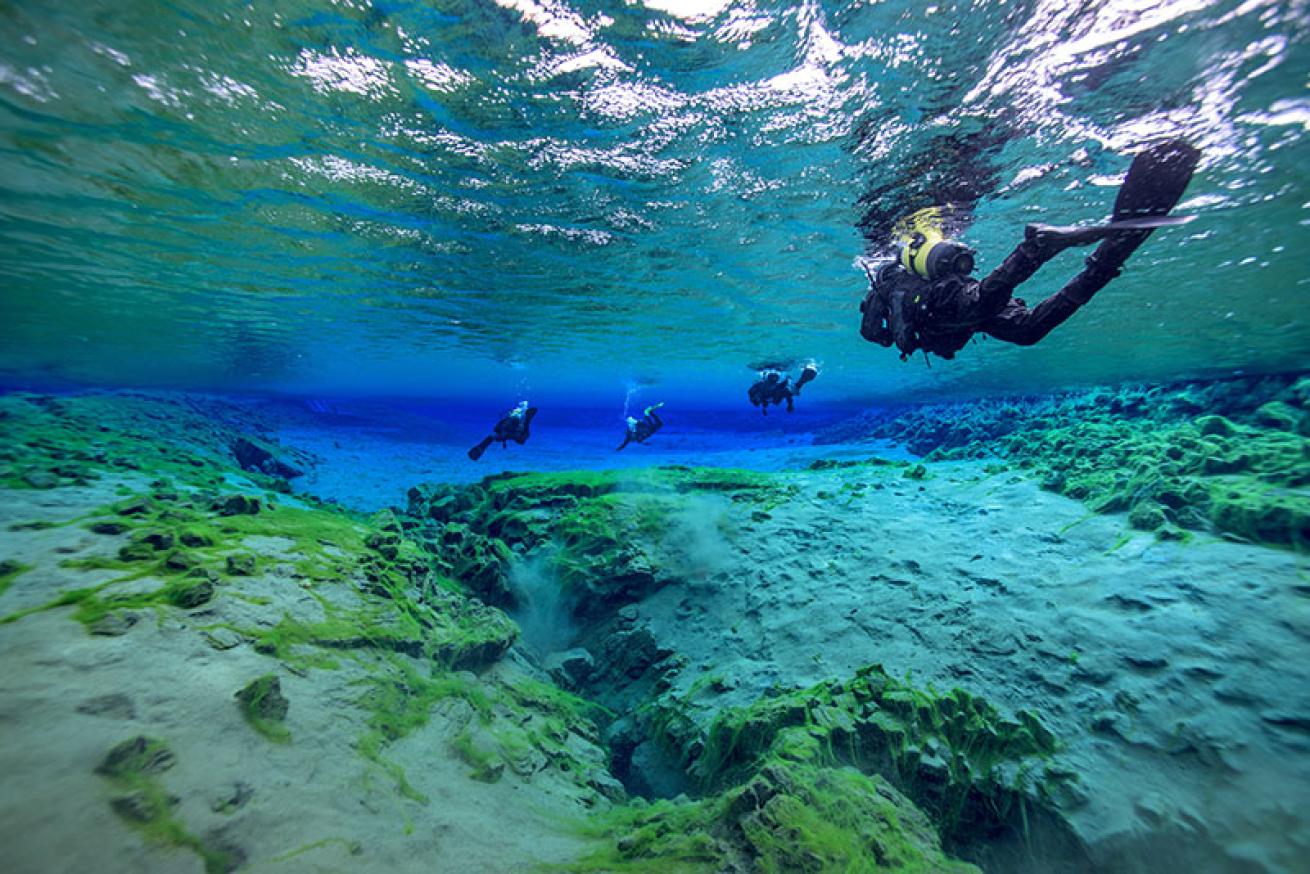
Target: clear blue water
[(369, 454), (380, 225), (491, 199)]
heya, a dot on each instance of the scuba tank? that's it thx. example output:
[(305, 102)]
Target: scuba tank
[(931, 257)]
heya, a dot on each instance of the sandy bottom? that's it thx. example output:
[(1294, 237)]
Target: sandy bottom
[(1177, 674), (67, 697)]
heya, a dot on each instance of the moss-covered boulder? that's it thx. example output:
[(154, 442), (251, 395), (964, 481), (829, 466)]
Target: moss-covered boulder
[(788, 817), (265, 707), (1229, 456)]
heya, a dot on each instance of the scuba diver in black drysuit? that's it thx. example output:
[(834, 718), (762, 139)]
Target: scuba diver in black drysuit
[(513, 426), (640, 430), (928, 301), (777, 388)]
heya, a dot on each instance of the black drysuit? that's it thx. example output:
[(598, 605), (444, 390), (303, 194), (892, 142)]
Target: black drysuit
[(940, 316)]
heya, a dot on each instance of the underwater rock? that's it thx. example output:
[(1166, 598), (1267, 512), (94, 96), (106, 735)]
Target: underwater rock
[(571, 668), (241, 565), (262, 698), (181, 561), (478, 561), (788, 817), (41, 479), (192, 596), (137, 755), (232, 798), (156, 540), (1239, 467), (142, 807), (239, 505), (114, 706), (114, 624), (110, 528), (1147, 516), (222, 639), (1279, 415), (262, 456), (135, 507), (1285, 718)]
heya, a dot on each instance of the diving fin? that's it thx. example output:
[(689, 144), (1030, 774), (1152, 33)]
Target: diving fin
[(1154, 185), (1156, 180), (476, 452), (1081, 236)]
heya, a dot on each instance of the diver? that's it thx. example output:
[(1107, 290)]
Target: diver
[(774, 387), (640, 430), (928, 301), (512, 426)]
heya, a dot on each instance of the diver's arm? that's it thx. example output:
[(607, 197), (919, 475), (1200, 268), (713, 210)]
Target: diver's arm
[(874, 311), (627, 438)]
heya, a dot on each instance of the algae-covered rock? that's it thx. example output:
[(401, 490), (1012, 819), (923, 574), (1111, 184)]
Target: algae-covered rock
[(191, 594), (137, 755), (263, 456), (240, 505), (1160, 453), (41, 479), (113, 624), (1147, 516), (1280, 416), (110, 528), (241, 565), (788, 817), (159, 541), (571, 668), (264, 707)]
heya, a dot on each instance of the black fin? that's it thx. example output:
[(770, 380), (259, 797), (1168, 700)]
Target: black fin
[(1081, 236), (1156, 180), (476, 452)]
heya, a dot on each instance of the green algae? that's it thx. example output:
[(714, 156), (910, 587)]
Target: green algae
[(788, 817), (132, 768), (264, 708), (91, 607), (11, 570), (1231, 457), (354, 848), (604, 535), (960, 760)]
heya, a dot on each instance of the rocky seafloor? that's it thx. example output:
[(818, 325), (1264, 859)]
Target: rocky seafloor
[(1071, 638)]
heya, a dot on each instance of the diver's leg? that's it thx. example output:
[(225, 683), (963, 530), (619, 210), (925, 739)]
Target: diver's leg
[(1017, 268), (1016, 323), (791, 405), (476, 452)]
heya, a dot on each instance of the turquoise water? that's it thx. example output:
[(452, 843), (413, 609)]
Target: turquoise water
[(268, 270), (527, 196)]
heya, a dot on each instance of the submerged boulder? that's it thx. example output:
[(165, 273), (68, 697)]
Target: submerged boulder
[(262, 456)]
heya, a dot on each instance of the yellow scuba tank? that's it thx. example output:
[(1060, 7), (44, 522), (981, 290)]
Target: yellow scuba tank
[(927, 252)]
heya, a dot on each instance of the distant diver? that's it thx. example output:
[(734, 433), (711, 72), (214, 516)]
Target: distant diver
[(928, 302), (774, 387), (513, 426), (640, 430)]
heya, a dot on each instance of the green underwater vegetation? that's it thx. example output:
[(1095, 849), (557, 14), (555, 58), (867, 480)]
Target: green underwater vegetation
[(411, 609), (133, 768), (1229, 456)]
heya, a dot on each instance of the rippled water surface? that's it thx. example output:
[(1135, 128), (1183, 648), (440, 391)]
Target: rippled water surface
[(466, 198)]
